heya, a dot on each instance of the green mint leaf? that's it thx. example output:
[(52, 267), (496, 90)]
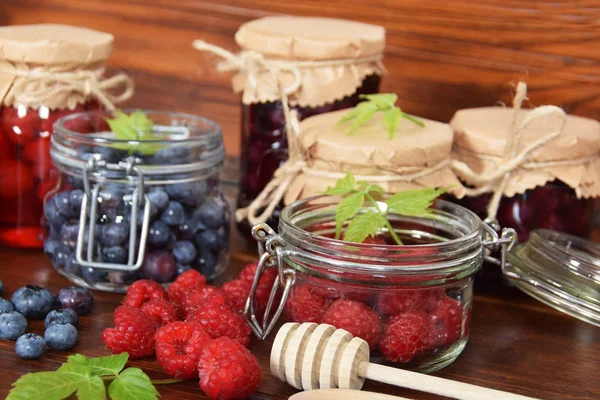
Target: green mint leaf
[(121, 127), (52, 385), (414, 203), (369, 187), (343, 186), (92, 389), (391, 119), (140, 122), (347, 209), (132, 384), (382, 100), (109, 365), (365, 112), (364, 225)]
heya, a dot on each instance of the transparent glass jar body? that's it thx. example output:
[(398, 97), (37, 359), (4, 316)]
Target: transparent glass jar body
[(420, 292), (26, 171), (187, 222), (553, 206), (264, 143)]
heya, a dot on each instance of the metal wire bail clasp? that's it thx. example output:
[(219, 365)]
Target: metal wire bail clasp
[(271, 252), (503, 242), (91, 195)]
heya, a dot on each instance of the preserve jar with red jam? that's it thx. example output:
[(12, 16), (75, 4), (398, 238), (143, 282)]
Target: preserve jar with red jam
[(318, 64), (46, 72), (377, 290), (123, 209)]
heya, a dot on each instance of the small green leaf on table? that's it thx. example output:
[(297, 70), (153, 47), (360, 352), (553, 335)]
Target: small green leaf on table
[(132, 384)]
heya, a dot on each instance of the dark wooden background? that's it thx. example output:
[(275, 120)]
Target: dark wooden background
[(442, 55)]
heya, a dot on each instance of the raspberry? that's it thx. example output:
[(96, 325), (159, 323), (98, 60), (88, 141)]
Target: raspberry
[(198, 296), (133, 333), (355, 317), (304, 305), (405, 337), (263, 291), (143, 291), (401, 301), (227, 370), (446, 321), (178, 348), (219, 320), (236, 293), (160, 311), (184, 283)]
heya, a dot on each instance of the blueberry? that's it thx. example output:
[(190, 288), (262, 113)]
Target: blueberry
[(94, 275), (114, 255), (211, 214), (159, 266), (108, 154), (207, 240), (69, 233), (30, 346), (181, 268), (74, 181), (33, 301), (6, 306), (64, 206), (187, 229), (76, 298), (222, 238), (76, 197), (62, 316), (171, 155), (12, 325), (60, 336), (208, 262), (188, 193), (184, 252), (1, 288), (72, 266), (61, 256), (123, 278), (114, 234), (50, 246), (173, 215), (159, 234), (51, 213), (159, 199)]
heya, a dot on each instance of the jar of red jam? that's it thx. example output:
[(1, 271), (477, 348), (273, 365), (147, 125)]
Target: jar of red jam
[(46, 71), (553, 185), (124, 209), (377, 290), (323, 65)]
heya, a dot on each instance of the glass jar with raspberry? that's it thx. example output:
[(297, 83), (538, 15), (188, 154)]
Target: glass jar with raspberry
[(126, 208), (411, 303), (46, 71)]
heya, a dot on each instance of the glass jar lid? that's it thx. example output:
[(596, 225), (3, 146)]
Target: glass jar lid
[(560, 270)]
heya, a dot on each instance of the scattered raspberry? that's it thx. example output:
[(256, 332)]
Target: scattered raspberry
[(133, 333), (303, 305), (160, 311), (236, 293), (406, 300), (143, 291), (178, 348), (446, 321), (227, 370), (355, 317), (218, 320), (263, 291), (198, 296), (405, 337), (184, 283)]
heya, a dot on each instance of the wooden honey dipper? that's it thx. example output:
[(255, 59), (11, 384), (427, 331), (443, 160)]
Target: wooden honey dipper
[(310, 356)]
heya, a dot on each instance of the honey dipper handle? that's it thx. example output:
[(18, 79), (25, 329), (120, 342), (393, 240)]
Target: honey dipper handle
[(432, 384)]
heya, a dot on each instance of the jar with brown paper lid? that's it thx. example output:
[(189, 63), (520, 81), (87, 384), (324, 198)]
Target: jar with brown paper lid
[(527, 169), (318, 64), (46, 71)]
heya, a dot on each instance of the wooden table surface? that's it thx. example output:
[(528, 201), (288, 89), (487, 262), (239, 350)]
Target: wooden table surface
[(517, 344)]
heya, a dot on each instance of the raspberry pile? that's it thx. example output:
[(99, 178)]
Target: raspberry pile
[(404, 324), (196, 330)]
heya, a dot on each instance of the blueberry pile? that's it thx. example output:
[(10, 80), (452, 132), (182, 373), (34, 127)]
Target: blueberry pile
[(60, 316), (188, 228)]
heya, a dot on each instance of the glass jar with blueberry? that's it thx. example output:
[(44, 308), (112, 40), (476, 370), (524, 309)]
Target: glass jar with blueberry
[(138, 196), (43, 83)]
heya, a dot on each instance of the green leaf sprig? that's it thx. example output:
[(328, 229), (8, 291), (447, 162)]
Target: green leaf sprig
[(136, 127), (87, 377), (384, 102), (412, 203)]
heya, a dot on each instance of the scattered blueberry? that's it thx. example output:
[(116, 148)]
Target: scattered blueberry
[(159, 234), (184, 252), (114, 255), (60, 336), (211, 214), (159, 266), (33, 301), (30, 346), (159, 199), (50, 245), (77, 298), (62, 316), (114, 234), (173, 215), (6, 306), (207, 240), (12, 325)]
